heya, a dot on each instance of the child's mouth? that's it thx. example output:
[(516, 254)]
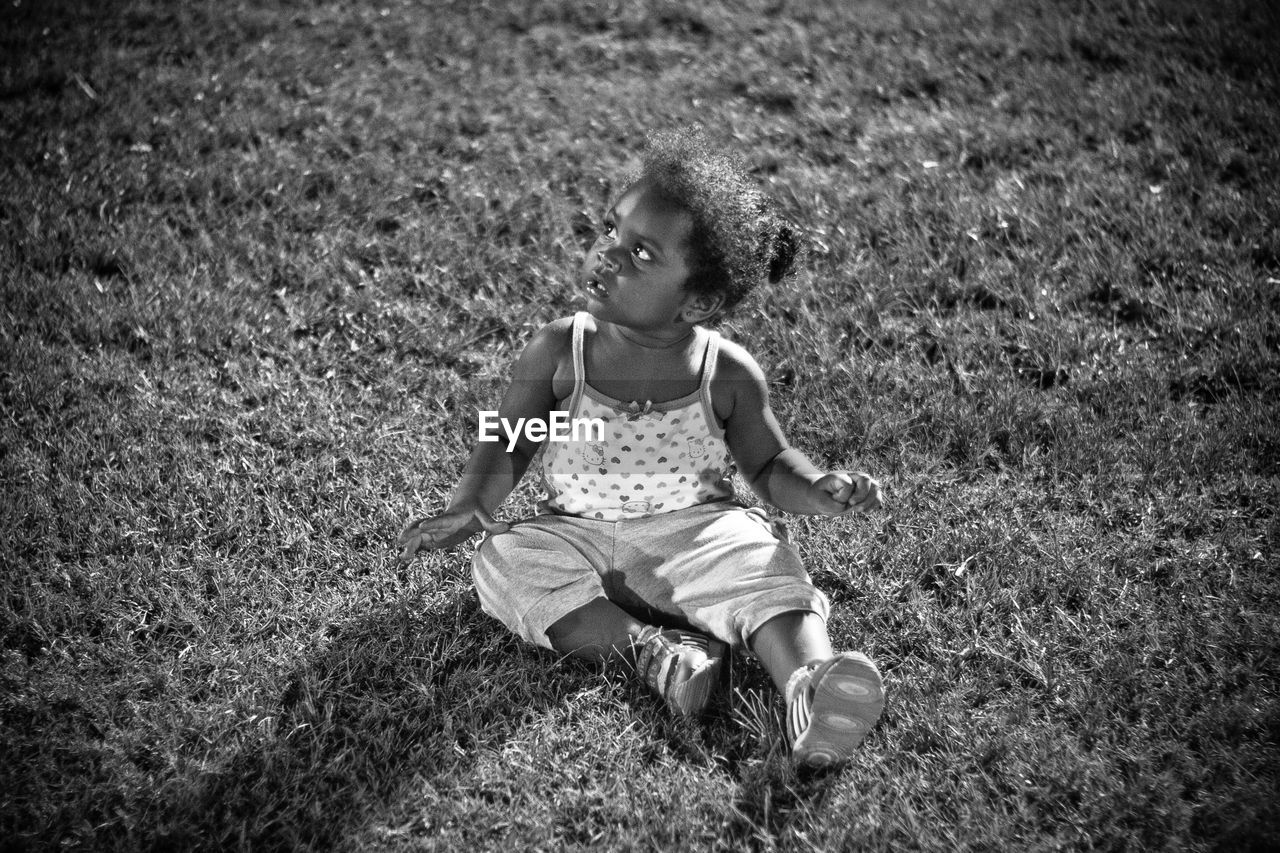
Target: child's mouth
[(596, 289)]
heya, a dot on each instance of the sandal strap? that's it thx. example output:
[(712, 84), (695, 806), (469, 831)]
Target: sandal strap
[(800, 702)]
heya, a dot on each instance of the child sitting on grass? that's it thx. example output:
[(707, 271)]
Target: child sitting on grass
[(639, 552)]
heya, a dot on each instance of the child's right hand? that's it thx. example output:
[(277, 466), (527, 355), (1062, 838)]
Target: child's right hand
[(857, 490), (445, 530)]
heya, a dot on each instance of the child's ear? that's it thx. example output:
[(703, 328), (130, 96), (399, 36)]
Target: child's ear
[(700, 306)]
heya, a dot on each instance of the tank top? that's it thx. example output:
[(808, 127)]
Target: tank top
[(652, 457)]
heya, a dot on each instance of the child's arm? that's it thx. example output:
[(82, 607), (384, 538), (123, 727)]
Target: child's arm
[(777, 472), (491, 471)]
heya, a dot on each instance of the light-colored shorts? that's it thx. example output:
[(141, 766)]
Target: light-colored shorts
[(719, 568)]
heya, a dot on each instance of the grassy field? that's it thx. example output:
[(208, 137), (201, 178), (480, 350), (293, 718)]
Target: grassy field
[(262, 262)]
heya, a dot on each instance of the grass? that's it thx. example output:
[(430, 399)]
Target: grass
[(261, 263)]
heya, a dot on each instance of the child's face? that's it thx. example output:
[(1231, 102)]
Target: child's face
[(636, 271)]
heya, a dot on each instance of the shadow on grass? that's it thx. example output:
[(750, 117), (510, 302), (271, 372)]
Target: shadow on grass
[(415, 692), (395, 695)]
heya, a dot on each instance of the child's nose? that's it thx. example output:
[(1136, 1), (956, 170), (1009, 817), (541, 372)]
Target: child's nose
[(605, 262)]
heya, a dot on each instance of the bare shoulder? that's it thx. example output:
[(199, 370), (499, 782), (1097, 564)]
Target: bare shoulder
[(549, 355), (558, 334), (738, 379), (735, 364)]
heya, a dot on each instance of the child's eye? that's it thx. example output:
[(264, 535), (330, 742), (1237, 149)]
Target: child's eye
[(642, 253), (610, 230)]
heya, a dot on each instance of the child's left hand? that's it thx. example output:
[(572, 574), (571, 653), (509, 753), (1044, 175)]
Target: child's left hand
[(849, 491)]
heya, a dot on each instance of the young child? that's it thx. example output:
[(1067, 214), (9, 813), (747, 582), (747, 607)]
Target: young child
[(639, 552)]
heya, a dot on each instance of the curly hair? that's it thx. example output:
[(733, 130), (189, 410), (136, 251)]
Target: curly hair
[(737, 239)]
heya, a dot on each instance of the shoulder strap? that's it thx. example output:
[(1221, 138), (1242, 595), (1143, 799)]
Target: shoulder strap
[(708, 371), (579, 361)]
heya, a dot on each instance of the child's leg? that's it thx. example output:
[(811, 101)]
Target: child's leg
[(597, 631), (789, 641), (681, 667), (832, 700)]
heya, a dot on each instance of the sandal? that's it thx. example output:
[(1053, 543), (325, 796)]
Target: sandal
[(680, 666), (831, 707)]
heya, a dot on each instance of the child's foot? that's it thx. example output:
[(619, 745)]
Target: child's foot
[(830, 708), (680, 666)]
